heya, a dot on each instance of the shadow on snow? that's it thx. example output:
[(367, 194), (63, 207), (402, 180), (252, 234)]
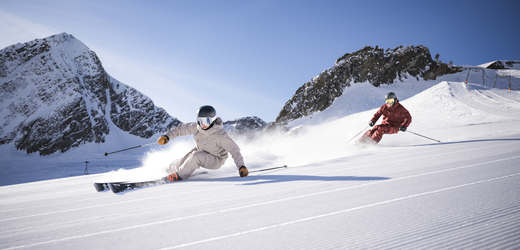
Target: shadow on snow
[(264, 179), (467, 141)]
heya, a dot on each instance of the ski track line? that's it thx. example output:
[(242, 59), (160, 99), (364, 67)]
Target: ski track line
[(391, 156), (337, 212), (104, 197), (129, 201), (147, 209), (287, 199), (122, 202), (136, 211), (355, 162), (449, 233), (103, 205), (205, 201), (430, 154), (407, 159), (492, 215), (497, 235), (503, 98), (200, 201), (109, 204), (148, 198)]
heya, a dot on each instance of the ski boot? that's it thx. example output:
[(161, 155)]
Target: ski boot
[(172, 177)]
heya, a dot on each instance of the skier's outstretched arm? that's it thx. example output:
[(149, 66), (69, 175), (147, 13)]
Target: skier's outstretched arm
[(180, 130)]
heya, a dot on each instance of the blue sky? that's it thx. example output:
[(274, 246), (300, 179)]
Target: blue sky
[(247, 58)]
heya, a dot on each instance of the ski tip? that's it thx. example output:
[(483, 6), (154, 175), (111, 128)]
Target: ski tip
[(100, 186), (105, 154)]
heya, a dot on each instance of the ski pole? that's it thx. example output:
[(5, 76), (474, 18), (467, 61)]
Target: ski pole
[(358, 134), (265, 169), (422, 136), (106, 154)]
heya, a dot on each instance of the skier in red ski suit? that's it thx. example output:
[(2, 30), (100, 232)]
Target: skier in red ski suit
[(395, 118)]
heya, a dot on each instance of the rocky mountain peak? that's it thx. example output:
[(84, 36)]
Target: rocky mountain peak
[(56, 95), (246, 127), (373, 65)]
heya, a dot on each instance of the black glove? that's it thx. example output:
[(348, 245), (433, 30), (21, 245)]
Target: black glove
[(243, 171), (372, 123), (402, 128)]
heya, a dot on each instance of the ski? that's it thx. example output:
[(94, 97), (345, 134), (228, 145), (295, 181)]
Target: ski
[(127, 186), (118, 187)]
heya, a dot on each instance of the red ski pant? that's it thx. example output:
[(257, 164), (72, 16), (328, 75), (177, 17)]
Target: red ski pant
[(192, 161), (377, 132)]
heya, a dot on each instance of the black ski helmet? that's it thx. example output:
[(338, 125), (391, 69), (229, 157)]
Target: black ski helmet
[(206, 116), (206, 111), (391, 95)]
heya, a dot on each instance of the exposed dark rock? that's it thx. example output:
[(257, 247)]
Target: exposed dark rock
[(246, 127), (55, 95), (496, 65), (503, 64)]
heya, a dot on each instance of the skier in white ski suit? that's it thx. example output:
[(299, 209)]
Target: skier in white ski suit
[(212, 146)]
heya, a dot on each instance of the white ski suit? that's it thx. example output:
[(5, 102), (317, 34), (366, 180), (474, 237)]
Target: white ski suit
[(211, 151)]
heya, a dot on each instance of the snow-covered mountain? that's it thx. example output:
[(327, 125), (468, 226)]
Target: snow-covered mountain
[(247, 127), (55, 95), (373, 65)]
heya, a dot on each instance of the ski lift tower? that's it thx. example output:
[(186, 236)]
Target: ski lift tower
[(86, 167)]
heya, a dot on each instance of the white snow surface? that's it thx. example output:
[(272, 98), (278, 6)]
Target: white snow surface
[(408, 192)]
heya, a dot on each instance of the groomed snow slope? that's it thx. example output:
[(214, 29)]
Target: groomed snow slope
[(406, 193)]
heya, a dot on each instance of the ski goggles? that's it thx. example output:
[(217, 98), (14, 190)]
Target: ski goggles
[(206, 120), (389, 101)]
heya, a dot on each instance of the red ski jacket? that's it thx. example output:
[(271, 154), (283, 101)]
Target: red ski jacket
[(395, 116)]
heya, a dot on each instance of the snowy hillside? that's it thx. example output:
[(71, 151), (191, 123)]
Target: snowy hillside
[(406, 193)]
